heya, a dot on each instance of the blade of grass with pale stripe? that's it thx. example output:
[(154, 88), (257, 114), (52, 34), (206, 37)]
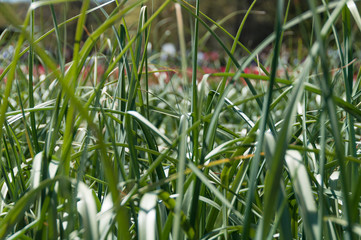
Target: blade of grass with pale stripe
[(151, 161)]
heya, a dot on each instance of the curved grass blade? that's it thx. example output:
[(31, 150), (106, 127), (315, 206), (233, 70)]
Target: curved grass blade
[(36, 170), (214, 190), (87, 209), (13, 216), (149, 125), (147, 218), (105, 218), (303, 192)]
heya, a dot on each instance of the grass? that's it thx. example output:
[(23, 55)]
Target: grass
[(111, 145)]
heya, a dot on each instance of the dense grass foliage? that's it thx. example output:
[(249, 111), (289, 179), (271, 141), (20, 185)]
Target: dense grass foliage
[(116, 141)]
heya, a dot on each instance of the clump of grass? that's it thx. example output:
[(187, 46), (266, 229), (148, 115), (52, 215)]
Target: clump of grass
[(92, 148)]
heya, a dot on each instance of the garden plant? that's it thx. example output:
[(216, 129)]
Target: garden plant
[(104, 137)]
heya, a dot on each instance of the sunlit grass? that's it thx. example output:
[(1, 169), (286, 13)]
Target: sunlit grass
[(115, 142)]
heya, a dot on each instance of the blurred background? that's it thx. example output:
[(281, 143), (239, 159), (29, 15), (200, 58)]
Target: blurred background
[(229, 13)]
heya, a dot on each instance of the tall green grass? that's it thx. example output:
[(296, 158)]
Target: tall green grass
[(228, 155)]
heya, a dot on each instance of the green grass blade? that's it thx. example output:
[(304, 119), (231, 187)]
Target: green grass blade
[(182, 152), (303, 192), (234, 45), (327, 94), (194, 109), (149, 125), (131, 144), (21, 206), (31, 83), (70, 80), (260, 137)]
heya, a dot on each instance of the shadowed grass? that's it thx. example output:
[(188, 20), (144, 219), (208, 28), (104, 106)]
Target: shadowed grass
[(91, 148)]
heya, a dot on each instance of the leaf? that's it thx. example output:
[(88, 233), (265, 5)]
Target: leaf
[(355, 13), (146, 122), (219, 149), (36, 170), (105, 218), (181, 176), (88, 211), (214, 190), (12, 217), (282, 210), (302, 188), (240, 113), (147, 217)]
